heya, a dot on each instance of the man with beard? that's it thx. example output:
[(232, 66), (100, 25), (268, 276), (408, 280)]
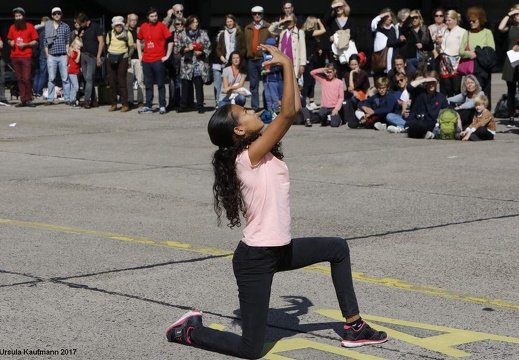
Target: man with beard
[(91, 51), (22, 37), (154, 35)]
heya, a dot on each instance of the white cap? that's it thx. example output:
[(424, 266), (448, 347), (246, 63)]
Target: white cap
[(257, 9), (117, 20), (56, 9)]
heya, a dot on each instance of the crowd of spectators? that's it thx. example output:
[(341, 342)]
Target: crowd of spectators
[(411, 63)]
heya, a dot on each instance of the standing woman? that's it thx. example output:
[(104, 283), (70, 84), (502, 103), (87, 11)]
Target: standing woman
[(338, 18), (450, 80), (384, 36), (291, 42), (510, 23), (195, 47), (313, 28), (119, 43), (252, 179), (418, 43), (478, 36), (437, 30), (230, 39)]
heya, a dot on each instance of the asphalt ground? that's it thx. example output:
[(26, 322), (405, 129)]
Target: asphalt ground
[(107, 236)]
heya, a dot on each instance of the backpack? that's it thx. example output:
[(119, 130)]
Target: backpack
[(448, 121)]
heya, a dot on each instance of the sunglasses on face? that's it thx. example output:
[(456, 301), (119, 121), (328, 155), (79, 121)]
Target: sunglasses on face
[(257, 13), (438, 15), (178, 24), (401, 80), (56, 13), (414, 17), (473, 21)]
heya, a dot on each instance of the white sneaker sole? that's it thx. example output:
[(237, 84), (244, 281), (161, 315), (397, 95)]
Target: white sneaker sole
[(354, 344)]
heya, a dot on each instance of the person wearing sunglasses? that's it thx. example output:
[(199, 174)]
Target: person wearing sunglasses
[(55, 43), (256, 33), (437, 29), (418, 43), (175, 13), (478, 35), (510, 24)]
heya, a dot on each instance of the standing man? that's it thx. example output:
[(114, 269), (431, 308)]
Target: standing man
[(152, 38), (56, 40), (256, 33), (22, 37), (176, 12), (91, 51), (135, 67)]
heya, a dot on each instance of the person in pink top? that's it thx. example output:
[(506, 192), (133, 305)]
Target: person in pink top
[(252, 179), (22, 38), (332, 95)]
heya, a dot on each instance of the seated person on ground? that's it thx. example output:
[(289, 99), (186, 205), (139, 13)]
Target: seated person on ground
[(396, 120), (371, 113), (357, 81), (464, 103), (332, 92), (483, 126), (425, 106)]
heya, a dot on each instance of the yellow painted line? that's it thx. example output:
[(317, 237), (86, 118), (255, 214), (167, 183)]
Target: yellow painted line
[(388, 282)]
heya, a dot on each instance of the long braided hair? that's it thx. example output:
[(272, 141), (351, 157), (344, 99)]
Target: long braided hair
[(227, 187)]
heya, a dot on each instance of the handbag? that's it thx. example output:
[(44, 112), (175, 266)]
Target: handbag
[(466, 66), (448, 65), (379, 60), (115, 58)]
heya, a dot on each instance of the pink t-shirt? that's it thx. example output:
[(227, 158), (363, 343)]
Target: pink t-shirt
[(332, 92), (265, 188)]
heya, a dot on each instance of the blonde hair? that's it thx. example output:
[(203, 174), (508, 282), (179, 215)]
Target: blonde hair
[(345, 5), (417, 12), (453, 14), (481, 100), (310, 23)]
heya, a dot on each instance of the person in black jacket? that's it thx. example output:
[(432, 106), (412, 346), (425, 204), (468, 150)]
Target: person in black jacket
[(337, 18), (425, 107), (418, 42)]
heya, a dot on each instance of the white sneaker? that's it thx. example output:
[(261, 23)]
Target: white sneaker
[(429, 135), (394, 129), (312, 106), (379, 126)]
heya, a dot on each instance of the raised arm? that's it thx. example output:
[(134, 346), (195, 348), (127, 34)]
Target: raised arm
[(290, 106)]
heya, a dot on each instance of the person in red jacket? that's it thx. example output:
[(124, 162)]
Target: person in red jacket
[(22, 37)]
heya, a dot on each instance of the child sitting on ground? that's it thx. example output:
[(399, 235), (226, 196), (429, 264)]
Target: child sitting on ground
[(483, 125)]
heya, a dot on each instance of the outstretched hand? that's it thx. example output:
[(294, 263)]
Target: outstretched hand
[(278, 58)]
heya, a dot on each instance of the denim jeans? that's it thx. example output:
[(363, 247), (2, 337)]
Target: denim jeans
[(272, 95), (154, 72), (40, 77), (74, 87), (88, 68), (217, 82), (395, 119), (254, 73), (238, 100), (254, 269), (60, 63)]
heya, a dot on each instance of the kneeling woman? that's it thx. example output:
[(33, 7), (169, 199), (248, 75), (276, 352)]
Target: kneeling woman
[(251, 178), (233, 78)]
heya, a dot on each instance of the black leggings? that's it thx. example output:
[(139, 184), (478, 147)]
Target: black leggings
[(254, 269)]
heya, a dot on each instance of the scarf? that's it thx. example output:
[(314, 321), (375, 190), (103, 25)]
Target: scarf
[(193, 34), (230, 42), (476, 30), (123, 35)]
